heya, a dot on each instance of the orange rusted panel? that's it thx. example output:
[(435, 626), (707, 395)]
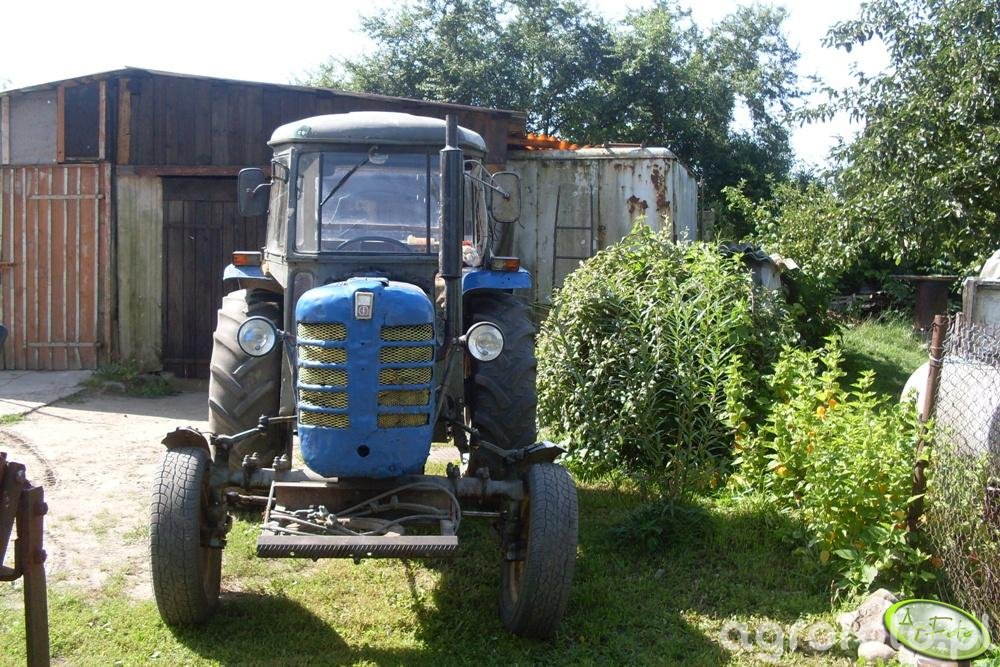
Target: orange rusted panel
[(55, 283)]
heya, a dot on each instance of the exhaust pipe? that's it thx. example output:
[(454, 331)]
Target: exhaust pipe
[(452, 228)]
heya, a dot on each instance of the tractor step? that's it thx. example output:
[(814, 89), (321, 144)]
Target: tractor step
[(344, 546)]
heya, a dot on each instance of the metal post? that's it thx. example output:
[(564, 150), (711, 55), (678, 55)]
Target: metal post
[(936, 353)]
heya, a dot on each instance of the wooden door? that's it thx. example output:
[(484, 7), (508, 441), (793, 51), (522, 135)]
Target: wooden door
[(55, 282), (201, 229)]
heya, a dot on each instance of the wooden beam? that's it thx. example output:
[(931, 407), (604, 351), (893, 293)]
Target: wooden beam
[(124, 122), (5, 130), (61, 124), (185, 170), (102, 122)]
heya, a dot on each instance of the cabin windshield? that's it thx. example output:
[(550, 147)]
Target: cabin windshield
[(374, 201)]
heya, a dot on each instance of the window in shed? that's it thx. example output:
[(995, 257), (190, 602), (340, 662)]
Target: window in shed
[(81, 122)]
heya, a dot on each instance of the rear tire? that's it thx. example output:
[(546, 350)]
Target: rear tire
[(186, 574), (501, 394), (241, 388), (537, 571)]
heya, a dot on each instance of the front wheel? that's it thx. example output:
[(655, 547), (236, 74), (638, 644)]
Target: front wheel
[(186, 572), (537, 571)]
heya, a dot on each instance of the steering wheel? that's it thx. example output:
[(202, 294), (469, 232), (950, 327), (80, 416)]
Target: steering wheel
[(393, 245)]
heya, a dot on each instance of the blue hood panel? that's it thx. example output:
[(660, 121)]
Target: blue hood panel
[(365, 386)]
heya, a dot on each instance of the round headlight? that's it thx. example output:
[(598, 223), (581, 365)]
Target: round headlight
[(257, 336), (485, 341)]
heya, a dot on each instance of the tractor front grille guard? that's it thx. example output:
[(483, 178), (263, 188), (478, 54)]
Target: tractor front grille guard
[(383, 514)]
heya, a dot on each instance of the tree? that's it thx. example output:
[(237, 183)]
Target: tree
[(655, 78), (920, 182)]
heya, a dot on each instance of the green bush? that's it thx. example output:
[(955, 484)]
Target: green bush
[(639, 353), (839, 464)]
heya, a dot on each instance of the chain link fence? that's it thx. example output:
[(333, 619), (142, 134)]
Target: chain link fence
[(962, 516)]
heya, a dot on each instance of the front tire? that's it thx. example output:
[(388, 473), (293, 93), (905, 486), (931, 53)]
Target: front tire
[(501, 394), (241, 388), (186, 573), (537, 571)]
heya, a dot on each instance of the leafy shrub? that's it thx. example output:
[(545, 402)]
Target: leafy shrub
[(638, 355), (840, 464)]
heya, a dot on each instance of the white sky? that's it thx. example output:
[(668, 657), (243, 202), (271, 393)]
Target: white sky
[(48, 40)]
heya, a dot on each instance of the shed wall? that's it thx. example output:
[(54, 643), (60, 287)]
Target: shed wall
[(172, 120), (33, 120), (140, 266)]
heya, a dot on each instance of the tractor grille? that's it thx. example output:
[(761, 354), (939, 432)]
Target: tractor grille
[(326, 331), (324, 399), (419, 351), (402, 420), (405, 355), (310, 418), (419, 397), (325, 355), (405, 376), (409, 334), (323, 376)]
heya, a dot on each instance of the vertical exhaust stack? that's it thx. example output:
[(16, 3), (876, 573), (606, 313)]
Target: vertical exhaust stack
[(452, 227)]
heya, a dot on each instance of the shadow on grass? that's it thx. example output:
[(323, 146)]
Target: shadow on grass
[(890, 377), (630, 604)]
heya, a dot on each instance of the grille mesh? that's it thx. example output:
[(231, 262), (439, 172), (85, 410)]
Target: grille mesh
[(325, 399), (419, 397), (329, 331), (326, 355), (415, 333), (405, 355), (402, 421), (405, 376), (322, 376), (323, 419)]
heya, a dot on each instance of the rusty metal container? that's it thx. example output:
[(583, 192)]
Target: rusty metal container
[(577, 202)]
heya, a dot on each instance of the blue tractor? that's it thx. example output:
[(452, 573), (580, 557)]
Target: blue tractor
[(379, 317)]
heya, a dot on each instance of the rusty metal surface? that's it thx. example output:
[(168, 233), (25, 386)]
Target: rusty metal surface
[(342, 546), (23, 505), (576, 203), (55, 285)]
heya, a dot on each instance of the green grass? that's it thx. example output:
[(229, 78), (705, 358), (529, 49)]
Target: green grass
[(129, 376), (7, 420), (887, 346), (715, 563)]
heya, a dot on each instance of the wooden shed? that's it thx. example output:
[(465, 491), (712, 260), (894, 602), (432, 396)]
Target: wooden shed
[(118, 213)]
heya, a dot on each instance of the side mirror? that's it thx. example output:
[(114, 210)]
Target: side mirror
[(252, 192), (505, 197)]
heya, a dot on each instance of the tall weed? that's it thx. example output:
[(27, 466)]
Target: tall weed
[(637, 357)]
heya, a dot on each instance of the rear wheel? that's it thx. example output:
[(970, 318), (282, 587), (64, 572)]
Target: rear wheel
[(501, 394), (241, 388), (537, 571), (186, 572)]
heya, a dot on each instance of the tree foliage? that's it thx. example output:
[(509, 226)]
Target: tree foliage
[(655, 78), (920, 182)]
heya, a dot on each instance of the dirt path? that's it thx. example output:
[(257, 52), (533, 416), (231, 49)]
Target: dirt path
[(96, 454)]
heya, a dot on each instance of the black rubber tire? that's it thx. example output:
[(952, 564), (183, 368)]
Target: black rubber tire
[(241, 388), (534, 591), (501, 394), (186, 575)]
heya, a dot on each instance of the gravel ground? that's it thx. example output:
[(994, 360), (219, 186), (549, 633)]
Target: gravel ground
[(96, 453)]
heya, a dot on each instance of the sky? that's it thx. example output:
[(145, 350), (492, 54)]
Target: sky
[(49, 40)]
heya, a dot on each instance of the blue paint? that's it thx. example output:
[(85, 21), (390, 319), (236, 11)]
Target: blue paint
[(474, 279), (337, 452), (233, 271)]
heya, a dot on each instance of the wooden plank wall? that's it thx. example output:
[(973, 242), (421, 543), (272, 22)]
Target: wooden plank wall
[(140, 264), (169, 120), (55, 285)]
